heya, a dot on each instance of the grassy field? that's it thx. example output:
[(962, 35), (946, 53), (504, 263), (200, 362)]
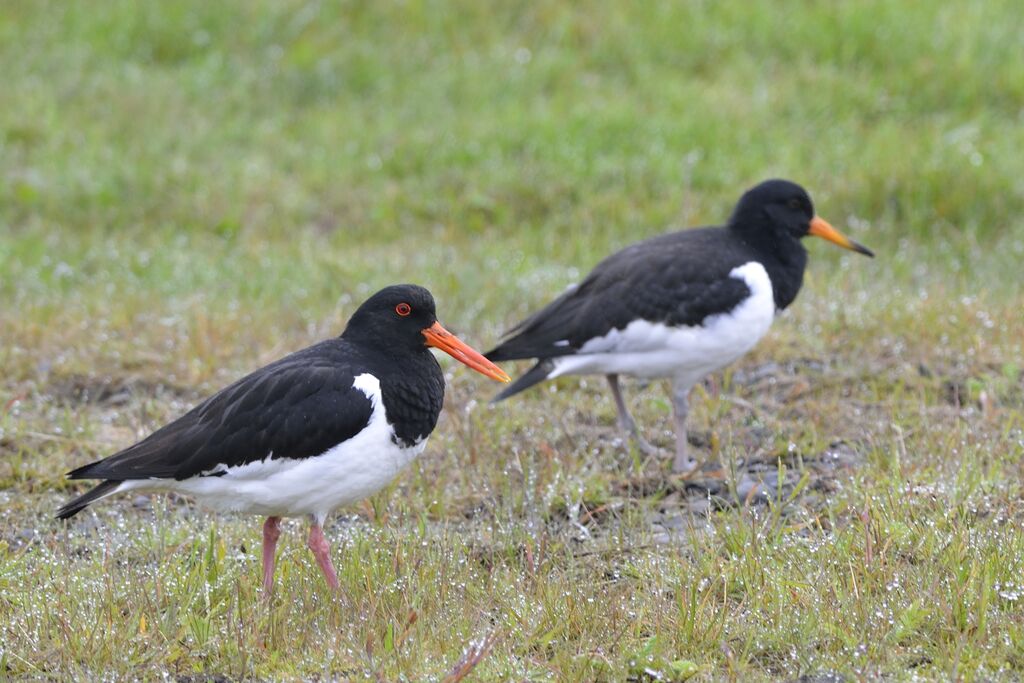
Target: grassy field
[(191, 189)]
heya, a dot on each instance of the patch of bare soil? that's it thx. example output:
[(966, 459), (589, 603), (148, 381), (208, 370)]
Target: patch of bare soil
[(757, 480), (676, 505)]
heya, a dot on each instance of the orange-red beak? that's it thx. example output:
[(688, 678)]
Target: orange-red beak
[(821, 228), (440, 338)]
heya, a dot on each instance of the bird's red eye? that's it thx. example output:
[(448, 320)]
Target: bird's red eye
[(403, 309)]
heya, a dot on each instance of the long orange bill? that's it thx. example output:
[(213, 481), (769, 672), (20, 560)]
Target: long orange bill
[(440, 338), (821, 228)]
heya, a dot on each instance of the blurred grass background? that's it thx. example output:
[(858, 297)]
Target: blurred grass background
[(188, 189), (168, 150)]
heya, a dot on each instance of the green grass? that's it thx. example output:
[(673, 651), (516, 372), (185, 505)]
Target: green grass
[(189, 190)]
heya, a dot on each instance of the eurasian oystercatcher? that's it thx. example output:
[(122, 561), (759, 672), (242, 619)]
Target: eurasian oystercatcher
[(680, 305), (320, 428)]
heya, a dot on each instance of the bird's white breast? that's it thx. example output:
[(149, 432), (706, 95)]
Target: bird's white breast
[(684, 353), (350, 471)]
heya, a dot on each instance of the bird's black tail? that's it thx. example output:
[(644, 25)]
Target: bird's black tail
[(78, 504), (538, 373)]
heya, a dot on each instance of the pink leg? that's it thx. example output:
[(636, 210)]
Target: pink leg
[(322, 553), (271, 532)]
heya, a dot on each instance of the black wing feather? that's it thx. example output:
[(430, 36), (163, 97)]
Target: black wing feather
[(297, 407), (679, 278)]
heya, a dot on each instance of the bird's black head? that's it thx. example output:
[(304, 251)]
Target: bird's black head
[(778, 206), (402, 320), (778, 213), (395, 317)]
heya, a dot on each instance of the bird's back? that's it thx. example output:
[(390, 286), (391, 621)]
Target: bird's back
[(295, 408), (678, 278)]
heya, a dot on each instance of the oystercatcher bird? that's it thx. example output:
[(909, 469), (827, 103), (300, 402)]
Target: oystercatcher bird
[(323, 427), (679, 306)]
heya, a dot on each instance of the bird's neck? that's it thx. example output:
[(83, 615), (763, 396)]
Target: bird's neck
[(786, 271), (784, 259), (413, 394)]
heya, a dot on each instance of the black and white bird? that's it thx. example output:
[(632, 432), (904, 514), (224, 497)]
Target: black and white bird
[(323, 427), (677, 306)]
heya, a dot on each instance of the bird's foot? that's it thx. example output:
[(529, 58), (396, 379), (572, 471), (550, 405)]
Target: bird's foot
[(631, 434), (645, 446), (685, 466)]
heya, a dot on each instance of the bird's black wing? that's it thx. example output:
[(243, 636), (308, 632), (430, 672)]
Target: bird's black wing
[(297, 407), (678, 279)]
